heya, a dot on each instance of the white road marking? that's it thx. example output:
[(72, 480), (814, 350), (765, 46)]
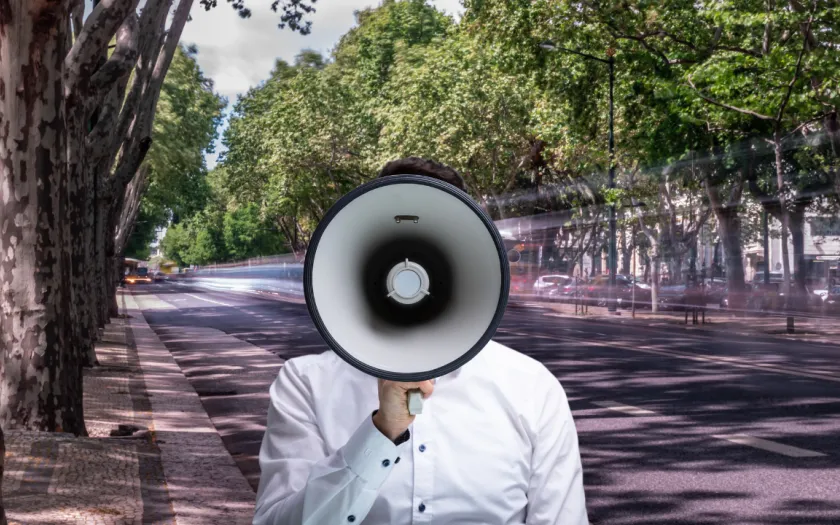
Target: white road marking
[(771, 446), (208, 300), (626, 409)]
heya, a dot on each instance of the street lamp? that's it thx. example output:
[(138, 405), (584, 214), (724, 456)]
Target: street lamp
[(613, 256)]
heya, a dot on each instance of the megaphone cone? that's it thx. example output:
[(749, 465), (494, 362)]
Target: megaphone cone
[(406, 278)]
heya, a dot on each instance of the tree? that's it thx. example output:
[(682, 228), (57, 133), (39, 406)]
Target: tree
[(449, 101), (77, 125), (310, 133), (188, 114), (248, 234), (757, 69)]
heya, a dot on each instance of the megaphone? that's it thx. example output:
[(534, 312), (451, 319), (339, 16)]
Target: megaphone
[(406, 278)]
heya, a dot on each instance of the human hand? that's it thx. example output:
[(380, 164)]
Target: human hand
[(392, 418)]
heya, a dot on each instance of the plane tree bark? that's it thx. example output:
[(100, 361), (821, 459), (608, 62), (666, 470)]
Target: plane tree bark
[(54, 77)]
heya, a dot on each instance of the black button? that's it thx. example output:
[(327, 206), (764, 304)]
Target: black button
[(422, 448), (422, 507), (396, 461), (351, 518), (385, 463)]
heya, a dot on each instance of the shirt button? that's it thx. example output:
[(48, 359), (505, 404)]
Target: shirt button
[(351, 518), (396, 461), (385, 463), (422, 507), (422, 448)]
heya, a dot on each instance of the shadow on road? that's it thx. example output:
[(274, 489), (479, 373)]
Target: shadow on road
[(660, 468)]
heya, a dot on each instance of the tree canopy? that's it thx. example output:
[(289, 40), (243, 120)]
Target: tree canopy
[(721, 110), (185, 128)]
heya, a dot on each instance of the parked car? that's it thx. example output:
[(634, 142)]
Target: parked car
[(597, 291), (544, 284), (831, 301), (160, 277), (681, 297), (567, 292)]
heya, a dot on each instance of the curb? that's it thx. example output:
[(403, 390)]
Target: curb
[(204, 483)]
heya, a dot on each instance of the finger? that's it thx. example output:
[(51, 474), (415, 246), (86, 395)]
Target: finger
[(427, 387)]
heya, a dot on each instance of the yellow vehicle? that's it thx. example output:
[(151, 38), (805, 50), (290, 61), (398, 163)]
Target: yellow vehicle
[(141, 275)]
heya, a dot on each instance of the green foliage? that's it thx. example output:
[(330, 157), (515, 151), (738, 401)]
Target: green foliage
[(199, 240), (699, 88), (188, 114), (248, 234)]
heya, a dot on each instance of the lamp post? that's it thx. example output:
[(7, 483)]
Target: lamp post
[(612, 263)]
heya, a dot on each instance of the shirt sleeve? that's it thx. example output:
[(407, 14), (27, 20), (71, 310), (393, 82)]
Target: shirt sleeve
[(555, 490), (300, 484)]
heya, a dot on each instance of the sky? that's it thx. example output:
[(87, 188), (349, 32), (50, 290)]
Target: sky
[(239, 53)]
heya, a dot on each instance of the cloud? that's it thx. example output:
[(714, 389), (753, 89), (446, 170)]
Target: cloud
[(239, 53)]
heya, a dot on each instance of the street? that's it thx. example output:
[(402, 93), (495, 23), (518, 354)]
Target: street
[(675, 426)]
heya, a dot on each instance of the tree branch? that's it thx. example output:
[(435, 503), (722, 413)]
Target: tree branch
[(164, 60), (76, 15), (640, 39), (121, 60), (795, 77), (131, 207), (152, 24), (726, 106), (99, 140), (809, 121), (129, 163), (90, 45)]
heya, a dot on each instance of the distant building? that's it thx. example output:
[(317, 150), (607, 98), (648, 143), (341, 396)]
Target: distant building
[(155, 246), (822, 251)]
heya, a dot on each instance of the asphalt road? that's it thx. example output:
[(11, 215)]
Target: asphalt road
[(675, 426)]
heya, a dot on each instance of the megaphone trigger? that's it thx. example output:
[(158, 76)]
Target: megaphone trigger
[(415, 402)]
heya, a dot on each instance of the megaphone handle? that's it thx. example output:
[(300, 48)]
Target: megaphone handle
[(415, 402)]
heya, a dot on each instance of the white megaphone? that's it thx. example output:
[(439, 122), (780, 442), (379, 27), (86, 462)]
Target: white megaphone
[(406, 278)]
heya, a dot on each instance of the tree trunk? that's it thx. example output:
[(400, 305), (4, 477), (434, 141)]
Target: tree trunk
[(676, 270), (626, 252), (130, 209), (654, 284), (2, 469), (103, 261), (780, 182), (32, 38), (797, 234), (115, 268), (730, 234)]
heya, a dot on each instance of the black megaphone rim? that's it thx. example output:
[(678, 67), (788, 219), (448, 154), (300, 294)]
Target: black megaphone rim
[(310, 260)]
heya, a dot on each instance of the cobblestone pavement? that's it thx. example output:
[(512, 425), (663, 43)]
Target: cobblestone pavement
[(166, 465)]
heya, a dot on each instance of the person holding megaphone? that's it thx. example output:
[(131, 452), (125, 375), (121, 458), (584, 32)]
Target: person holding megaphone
[(415, 415)]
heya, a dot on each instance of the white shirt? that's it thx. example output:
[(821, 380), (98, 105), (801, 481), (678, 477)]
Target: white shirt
[(494, 445)]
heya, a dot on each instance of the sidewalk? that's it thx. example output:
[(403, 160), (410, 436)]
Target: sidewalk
[(812, 329), (167, 466)]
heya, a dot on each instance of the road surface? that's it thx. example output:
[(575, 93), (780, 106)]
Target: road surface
[(675, 426)]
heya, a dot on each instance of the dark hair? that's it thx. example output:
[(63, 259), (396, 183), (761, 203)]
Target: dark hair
[(418, 166)]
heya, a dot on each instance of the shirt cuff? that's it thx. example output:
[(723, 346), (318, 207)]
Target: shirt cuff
[(369, 454)]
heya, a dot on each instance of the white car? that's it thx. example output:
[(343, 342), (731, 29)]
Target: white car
[(545, 283)]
